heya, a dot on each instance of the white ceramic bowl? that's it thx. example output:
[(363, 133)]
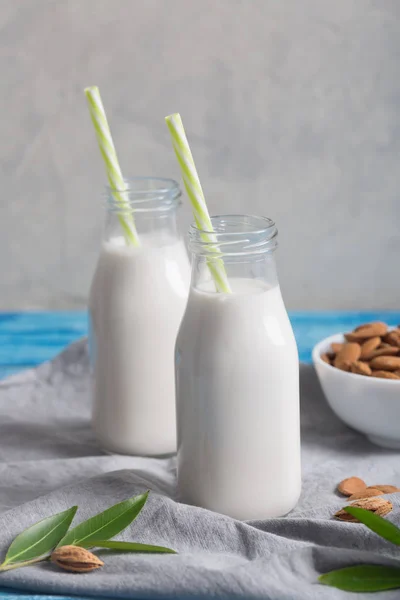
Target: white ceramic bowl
[(368, 404)]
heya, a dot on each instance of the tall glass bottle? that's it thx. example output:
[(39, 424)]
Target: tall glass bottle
[(237, 377), (137, 299)]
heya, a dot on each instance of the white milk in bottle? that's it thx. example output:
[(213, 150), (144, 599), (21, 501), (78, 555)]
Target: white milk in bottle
[(237, 376), (137, 300)]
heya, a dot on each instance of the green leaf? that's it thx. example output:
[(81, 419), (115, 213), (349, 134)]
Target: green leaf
[(40, 538), (382, 527), (363, 578), (106, 524), (133, 547)]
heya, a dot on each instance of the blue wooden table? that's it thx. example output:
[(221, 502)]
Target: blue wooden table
[(27, 339)]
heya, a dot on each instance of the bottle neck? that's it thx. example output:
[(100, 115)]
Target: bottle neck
[(153, 229), (262, 269), (242, 246), (149, 205)]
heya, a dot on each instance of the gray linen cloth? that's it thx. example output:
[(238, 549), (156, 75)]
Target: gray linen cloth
[(50, 461)]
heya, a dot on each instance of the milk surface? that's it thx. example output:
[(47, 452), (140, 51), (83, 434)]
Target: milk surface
[(137, 300), (237, 376)]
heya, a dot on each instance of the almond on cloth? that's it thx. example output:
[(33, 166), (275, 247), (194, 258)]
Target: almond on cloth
[(369, 346), (345, 516), (349, 354), (386, 489), (76, 559), (362, 368), (385, 363), (379, 506), (384, 375), (369, 492), (351, 486)]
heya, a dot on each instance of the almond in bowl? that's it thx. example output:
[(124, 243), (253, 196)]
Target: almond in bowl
[(371, 350), (359, 372)]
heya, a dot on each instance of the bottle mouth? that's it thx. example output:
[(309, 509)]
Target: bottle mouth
[(144, 195), (234, 235)]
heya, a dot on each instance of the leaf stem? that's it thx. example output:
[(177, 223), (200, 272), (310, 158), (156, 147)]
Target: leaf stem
[(25, 563)]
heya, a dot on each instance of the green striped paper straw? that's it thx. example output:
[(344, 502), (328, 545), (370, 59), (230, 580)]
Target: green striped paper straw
[(109, 154), (196, 196)]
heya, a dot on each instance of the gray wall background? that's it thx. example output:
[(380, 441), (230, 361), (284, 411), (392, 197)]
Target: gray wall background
[(292, 109)]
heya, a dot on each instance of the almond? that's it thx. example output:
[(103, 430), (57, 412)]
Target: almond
[(385, 363), (336, 347), (397, 372), (386, 489), (393, 338), (369, 330), (75, 559), (361, 327), (383, 509), (353, 337), (367, 493), (345, 516), (384, 375), (361, 368), (386, 350), (351, 486), (377, 326), (325, 358), (369, 346), (349, 354), (379, 506)]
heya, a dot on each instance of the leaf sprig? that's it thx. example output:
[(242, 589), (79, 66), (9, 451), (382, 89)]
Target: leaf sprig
[(36, 543), (368, 578)]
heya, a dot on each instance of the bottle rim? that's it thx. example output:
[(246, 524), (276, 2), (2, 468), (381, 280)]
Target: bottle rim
[(143, 195), (234, 235)]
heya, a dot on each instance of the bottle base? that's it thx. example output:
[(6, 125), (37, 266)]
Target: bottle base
[(165, 455), (259, 513), (145, 450)]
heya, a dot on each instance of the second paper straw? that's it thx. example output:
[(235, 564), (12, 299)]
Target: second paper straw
[(114, 174), (196, 197)]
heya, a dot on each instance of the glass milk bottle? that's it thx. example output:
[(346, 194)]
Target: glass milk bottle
[(137, 300), (237, 377)]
